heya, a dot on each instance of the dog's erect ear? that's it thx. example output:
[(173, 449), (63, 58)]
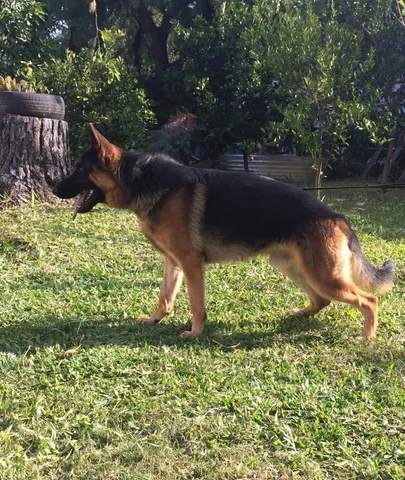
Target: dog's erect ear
[(98, 142), (107, 152)]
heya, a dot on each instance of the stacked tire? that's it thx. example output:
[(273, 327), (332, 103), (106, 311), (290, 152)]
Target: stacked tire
[(38, 105)]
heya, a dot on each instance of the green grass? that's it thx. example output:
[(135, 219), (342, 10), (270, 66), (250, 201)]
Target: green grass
[(88, 393)]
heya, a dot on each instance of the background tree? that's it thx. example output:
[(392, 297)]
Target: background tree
[(389, 42), (21, 37), (223, 85), (147, 42), (324, 74)]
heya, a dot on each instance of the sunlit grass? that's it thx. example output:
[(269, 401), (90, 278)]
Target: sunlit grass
[(88, 393)]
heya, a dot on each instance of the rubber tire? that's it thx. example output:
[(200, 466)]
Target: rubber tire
[(39, 105)]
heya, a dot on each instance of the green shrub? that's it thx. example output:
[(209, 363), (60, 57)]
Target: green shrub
[(99, 87), (8, 84)]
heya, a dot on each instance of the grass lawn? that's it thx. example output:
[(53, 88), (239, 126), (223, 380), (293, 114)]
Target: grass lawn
[(88, 393)]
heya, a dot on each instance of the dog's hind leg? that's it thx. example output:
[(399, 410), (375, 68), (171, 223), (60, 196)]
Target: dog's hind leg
[(349, 293), (323, 289), (172, 278), (328, 272), (317, 302)]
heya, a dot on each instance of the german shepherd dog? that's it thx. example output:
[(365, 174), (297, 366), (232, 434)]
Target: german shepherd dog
[(195, 217)]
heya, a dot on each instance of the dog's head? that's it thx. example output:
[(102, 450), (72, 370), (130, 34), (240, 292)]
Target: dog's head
[(94, 175)]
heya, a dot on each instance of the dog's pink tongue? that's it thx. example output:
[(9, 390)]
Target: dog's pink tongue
[(79, 203)]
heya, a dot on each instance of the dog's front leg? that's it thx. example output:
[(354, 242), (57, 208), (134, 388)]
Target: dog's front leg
[(194, 271), (172, 278)]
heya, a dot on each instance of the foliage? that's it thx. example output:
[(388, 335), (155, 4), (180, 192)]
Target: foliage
[(400, 11), (98, 87), (19, 38), (324, 77), (88, 393), (227, 62), (147, 43), (232, 105), (12, 85)]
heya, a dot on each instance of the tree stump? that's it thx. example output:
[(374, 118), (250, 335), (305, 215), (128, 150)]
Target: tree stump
[(34, 154)]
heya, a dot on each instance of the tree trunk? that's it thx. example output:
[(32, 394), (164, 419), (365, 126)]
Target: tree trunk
[(371, 163), (401, 179), (72, 45), (318, 178), (245, 160), (34, 154), (391, 158)]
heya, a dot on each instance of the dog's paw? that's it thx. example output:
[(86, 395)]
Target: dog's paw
[(149, 321), (302, 312), (191, 334)]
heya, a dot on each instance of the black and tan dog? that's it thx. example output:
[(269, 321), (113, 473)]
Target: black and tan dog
[(196, 216)]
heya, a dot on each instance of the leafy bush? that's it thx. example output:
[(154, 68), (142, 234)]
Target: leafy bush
[(9, 84), (99, 87), (20, 35)]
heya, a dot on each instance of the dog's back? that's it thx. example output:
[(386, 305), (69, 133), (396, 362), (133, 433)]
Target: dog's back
[(241, 207), (257, 211)]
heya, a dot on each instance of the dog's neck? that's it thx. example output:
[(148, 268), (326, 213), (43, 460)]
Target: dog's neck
[(133, 168)]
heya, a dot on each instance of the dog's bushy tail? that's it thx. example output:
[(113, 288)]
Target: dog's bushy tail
[(368, 277)]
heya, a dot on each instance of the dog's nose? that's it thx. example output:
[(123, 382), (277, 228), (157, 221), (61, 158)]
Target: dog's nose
[(55, 189)]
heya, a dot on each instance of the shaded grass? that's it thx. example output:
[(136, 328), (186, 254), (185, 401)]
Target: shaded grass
[(88, 393)]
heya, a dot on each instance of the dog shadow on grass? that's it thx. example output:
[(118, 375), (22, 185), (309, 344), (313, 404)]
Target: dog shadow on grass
[(67, 334)]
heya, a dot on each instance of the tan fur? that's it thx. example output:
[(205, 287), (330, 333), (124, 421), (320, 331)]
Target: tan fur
[(115, 196), (175, 238), (172, 278), (196, 215), (170, 233), (109, 154), (323, 271)]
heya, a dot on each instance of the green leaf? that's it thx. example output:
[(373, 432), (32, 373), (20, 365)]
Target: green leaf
[(106, 36)]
